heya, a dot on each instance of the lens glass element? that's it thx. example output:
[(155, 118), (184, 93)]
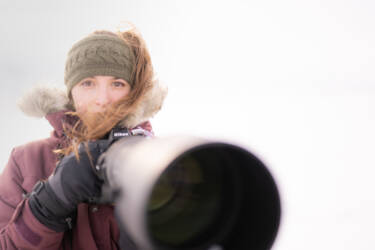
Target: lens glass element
[(186, 200)]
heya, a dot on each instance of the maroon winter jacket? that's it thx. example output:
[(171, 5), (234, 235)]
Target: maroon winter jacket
[(95, 227)]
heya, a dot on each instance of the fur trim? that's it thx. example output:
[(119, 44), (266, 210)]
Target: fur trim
[(148, 107), (42, 100)]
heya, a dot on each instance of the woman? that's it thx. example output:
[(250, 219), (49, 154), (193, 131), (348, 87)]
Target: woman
[(48, 186)]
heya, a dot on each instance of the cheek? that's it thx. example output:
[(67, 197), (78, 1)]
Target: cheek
[(117, 95), (79, 107), (80, 101)]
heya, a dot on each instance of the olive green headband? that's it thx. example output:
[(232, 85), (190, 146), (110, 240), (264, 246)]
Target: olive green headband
[(98, 54)]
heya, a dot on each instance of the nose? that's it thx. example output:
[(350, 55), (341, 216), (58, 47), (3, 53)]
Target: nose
[(102, 96)]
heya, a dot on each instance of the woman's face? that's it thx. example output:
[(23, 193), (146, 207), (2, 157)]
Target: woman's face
[(94, 94)]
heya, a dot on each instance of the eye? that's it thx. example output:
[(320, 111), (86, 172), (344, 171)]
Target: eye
[(86, 83), (119, 84)]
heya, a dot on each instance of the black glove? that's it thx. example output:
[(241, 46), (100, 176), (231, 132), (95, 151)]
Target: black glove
[(54, 201)]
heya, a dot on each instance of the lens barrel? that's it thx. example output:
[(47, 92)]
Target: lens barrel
[(189, 193)]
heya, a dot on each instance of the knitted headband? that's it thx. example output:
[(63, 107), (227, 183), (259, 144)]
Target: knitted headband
[(98, 54)]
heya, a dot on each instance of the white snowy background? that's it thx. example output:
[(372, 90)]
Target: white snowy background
[(293, 81)]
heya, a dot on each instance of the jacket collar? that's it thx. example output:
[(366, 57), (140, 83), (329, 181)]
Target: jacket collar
[(60, 119), (42, 101)]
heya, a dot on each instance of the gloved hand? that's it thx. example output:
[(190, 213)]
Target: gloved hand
[(54, 201)]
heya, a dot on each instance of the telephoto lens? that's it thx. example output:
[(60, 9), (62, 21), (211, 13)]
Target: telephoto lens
[(188, 193)]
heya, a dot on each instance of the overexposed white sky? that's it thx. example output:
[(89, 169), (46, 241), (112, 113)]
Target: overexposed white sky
[(290, 80)]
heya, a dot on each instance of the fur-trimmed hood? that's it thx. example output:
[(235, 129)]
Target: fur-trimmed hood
[(42, 100)]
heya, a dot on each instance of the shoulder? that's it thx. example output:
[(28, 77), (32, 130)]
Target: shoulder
[(36, 159), (27, 164), (35, 148)]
